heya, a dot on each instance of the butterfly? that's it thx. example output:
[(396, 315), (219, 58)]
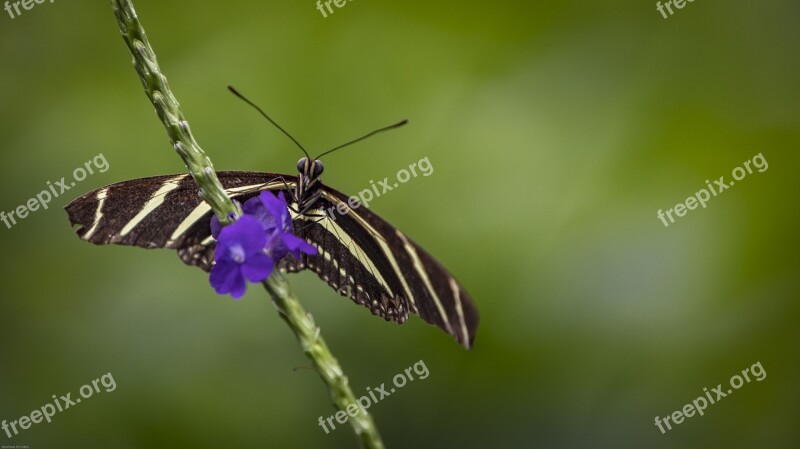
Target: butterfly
[(360, 255)]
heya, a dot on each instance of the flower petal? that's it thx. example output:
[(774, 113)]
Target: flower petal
[(226, 278), (255, 208), (258, 268), (239, 288), (295, 245), (216, 227), (276, 206), (276, 246)]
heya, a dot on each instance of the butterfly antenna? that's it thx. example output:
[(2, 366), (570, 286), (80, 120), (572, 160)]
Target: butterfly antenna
[(242, 97), (396, 125)]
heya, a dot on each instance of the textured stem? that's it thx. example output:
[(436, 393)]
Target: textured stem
[(202, 170), (169, 111), (303, 325)]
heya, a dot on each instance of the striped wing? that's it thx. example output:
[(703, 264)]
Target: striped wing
[(163, 212), (360, 255), (366, 258)]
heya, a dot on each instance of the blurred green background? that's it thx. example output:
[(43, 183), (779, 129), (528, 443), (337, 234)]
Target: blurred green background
[(556, 132)]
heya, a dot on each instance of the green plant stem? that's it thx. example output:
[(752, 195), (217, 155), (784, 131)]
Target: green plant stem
[(169, 111), (303, 325), (202, 170)]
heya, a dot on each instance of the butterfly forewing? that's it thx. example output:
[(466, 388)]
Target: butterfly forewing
[(161, 211)]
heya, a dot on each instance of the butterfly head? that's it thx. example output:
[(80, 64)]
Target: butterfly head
[(310, 170), (308, 191)]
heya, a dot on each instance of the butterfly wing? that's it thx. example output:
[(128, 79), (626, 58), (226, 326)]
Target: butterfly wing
[(366, 258), (163, 212)]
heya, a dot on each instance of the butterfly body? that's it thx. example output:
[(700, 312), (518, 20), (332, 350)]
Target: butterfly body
[(360, 255)]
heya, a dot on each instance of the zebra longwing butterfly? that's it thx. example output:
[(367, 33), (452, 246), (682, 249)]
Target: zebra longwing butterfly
[(360, 255)]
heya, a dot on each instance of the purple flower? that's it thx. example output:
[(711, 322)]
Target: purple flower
[(249, 248), (282, 240), (268, 218), (240, 256)]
